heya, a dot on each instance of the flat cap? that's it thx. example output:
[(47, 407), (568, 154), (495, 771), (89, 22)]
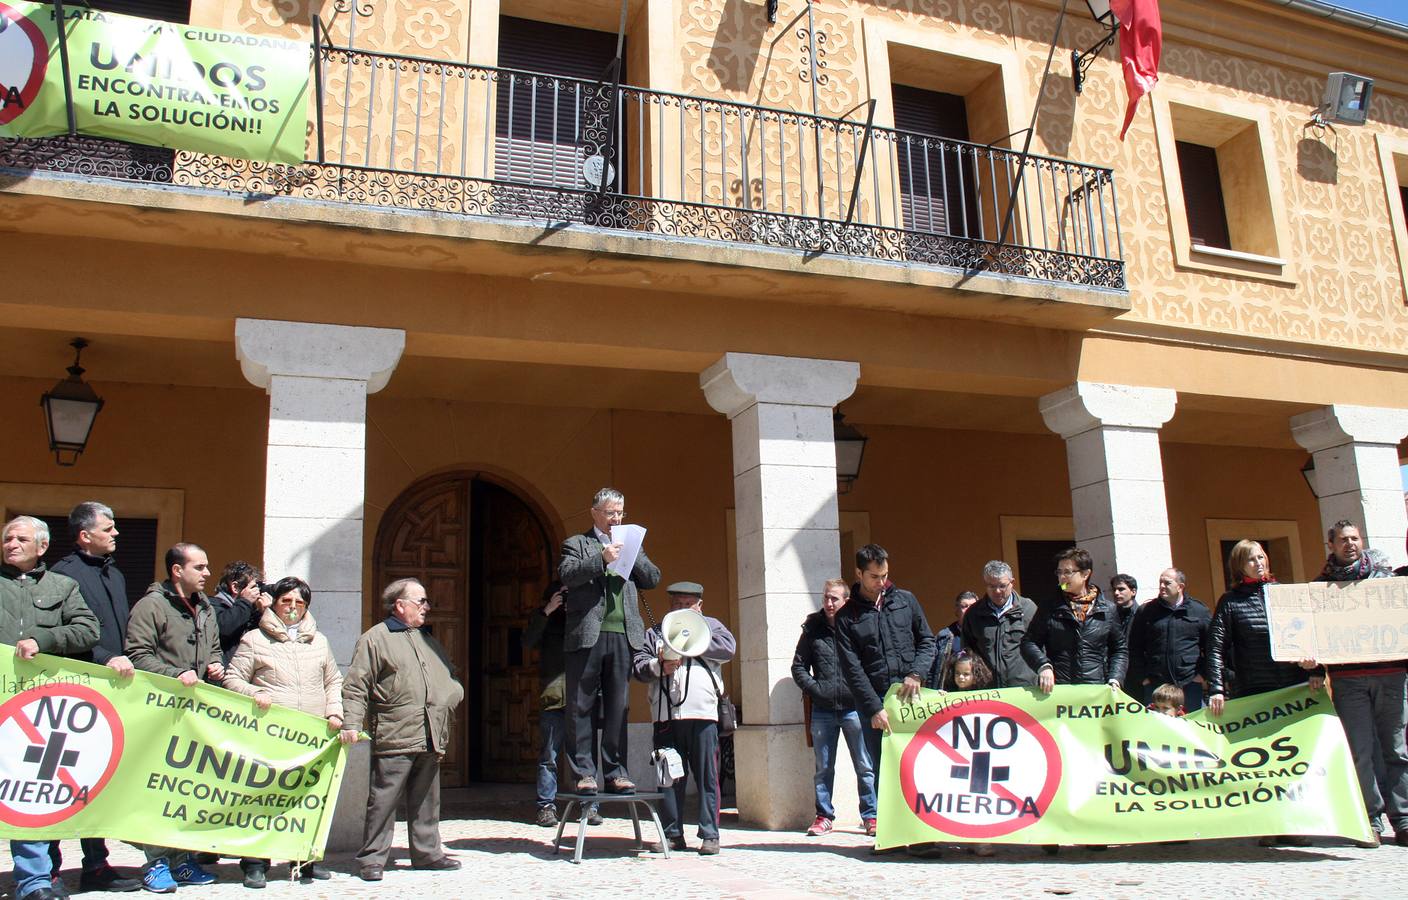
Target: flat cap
[(686, 587)]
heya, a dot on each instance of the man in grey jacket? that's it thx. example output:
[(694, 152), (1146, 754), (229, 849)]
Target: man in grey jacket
[(684, 702), (604, 630), (402, 689), (994, 627)]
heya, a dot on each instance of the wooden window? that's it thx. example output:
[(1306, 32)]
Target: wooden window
[(937, 187), (1202, 196), (543, 122)]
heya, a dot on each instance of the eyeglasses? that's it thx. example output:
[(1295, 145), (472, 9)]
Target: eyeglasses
[(423, 602), (1065, 573), (611, 513)]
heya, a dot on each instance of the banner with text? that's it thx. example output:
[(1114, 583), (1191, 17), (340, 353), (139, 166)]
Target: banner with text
[(151, 82), (1085, 765), (84, 753), (1340, 621)]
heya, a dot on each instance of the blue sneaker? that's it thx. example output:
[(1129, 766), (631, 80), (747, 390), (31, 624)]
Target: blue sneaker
[(189, 871), (156, 877)]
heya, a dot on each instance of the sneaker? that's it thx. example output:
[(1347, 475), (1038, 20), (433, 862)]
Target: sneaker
[(709, 847), (594, 816), (255, 878), (821, 826), (869, 827), (190, 872), (156, 877), (107, 878), (547, 817)]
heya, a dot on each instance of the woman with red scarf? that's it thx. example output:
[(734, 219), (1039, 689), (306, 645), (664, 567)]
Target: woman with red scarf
[(1240, 639)]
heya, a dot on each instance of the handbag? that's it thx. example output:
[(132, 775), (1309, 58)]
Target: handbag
[(728, 713)]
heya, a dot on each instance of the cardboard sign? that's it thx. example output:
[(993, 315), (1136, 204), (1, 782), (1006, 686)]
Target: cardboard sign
[(1339, 622)]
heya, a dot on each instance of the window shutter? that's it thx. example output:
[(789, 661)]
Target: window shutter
[(936, 179), (1202, 195), (541, 121)]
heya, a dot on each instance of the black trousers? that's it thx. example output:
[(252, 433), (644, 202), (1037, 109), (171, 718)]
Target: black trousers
[(697, 741), (605, 669)]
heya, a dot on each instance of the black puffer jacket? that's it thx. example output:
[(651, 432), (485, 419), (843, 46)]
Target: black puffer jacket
[(1166, 645), (1239, 630), (1089, 652), (816, 666), (998, 639), (882, 645)]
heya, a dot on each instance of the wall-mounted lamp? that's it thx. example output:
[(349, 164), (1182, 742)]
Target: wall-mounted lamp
[(772, 11), (850, 451), (1312, 480), (70, 407), (1081, 62), (1347, 99)]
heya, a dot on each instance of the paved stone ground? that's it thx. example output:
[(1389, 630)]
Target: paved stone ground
[(504, 856)]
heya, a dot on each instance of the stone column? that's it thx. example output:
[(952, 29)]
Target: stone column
[(318, 378), (1355, 449), (784, 484), (1117, 475)]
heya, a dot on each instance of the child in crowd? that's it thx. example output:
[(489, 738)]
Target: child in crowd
[(968, 672), (1168, 701)]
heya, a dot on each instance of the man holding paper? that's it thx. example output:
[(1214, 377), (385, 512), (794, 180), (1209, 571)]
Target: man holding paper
[(602, 570)]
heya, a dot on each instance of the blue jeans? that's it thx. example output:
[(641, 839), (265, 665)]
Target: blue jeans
[(827, 728), (32, 866), (551, 728)]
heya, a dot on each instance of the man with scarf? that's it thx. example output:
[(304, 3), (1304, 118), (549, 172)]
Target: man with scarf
[(882, 639), (1370, 698)]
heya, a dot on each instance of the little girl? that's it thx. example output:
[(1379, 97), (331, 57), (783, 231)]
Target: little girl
[(966, 671)]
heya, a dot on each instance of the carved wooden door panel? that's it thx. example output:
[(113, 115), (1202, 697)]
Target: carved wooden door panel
[(511, 574), (426, 536)]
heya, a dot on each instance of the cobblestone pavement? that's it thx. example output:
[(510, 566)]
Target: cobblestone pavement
[(504, 856)]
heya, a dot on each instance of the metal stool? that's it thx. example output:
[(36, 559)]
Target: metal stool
[(582, 803)]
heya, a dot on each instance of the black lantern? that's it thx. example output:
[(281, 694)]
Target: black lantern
[(850, 450), (1100, 11), (1312, 480), (70, 408), (1082, 61)]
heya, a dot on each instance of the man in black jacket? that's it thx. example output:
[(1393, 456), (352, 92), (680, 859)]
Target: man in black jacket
[(239, 604), (816, 667), (1166, 642), (994, 627), (883, 639), (105, 592)]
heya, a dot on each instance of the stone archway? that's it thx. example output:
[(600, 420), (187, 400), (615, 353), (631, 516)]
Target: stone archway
[(484, 555)]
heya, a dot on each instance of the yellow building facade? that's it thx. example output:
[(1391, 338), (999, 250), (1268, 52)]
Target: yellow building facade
[(423, 351)]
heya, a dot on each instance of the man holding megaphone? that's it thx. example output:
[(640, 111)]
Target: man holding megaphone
[(681, 662)]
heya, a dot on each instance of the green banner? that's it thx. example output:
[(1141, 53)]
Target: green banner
[(150, 82), (1086, 765), (84, 753)]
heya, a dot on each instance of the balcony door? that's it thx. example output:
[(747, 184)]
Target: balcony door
[(551, 112), (937, 183)]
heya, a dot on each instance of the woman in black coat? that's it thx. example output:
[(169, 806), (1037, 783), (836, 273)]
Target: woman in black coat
[(1078, 637)]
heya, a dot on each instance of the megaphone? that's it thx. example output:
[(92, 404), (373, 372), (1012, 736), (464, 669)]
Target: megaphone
[(686, 633)]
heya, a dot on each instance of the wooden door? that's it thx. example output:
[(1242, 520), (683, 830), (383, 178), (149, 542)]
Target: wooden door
[(425, 535), (485, 558), (513, 568)]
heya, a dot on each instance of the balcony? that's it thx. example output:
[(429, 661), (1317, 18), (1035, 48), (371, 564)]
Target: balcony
[(430, 135)]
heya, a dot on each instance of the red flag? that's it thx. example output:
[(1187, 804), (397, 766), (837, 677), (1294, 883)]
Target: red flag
[(1141, 40)]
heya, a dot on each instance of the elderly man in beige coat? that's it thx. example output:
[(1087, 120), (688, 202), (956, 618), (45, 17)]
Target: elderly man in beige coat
[(287, 661), (401, 688)]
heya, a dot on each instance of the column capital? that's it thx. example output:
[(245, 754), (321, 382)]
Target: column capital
[(1340, 424), (268, 347), (1086, 405), (739, 380)]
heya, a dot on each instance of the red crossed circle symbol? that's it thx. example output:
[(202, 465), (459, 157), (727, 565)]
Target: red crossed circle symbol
[(1032, 752), (94, 752), (23, 39)]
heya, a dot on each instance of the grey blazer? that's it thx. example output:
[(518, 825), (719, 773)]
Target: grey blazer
[(583, 572)]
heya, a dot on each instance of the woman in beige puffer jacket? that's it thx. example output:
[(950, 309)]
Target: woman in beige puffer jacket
[(287, 661)]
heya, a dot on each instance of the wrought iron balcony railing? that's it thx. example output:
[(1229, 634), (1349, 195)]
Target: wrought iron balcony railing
[(415, 133)]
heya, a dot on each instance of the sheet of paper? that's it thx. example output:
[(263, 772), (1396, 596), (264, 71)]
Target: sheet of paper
[(630, 537)]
